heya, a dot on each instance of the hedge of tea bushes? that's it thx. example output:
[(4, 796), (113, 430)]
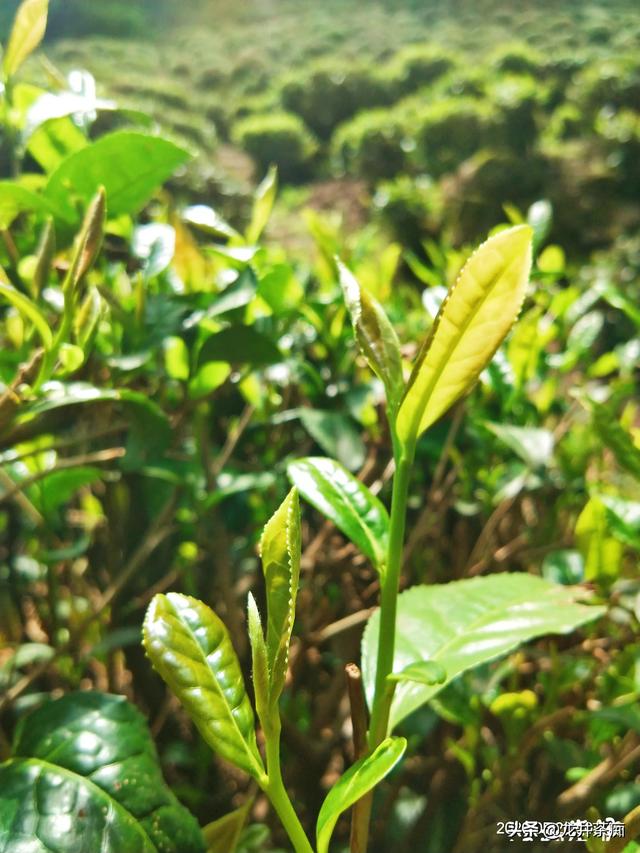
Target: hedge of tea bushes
[(460, 96)]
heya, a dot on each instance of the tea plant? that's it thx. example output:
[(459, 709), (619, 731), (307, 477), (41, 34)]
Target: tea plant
[(130, 316), (415, 644)]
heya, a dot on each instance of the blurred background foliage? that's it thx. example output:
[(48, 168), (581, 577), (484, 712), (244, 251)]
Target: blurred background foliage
[(207, 349)]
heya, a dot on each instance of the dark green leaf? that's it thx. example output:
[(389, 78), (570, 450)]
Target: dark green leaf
[(336, 493), (84, 776), (240, 345), (337, 435), (533, 446)]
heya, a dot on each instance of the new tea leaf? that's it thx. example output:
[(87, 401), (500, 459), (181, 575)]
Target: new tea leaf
[(280, 552), (473, 320), (336, 493), (375, 335), (264, 199), (190, 648), (463, 624), (359, 779), (27, 33), (85, 776)]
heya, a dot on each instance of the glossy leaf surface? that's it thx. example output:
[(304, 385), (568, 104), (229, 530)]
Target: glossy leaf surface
[(475, 317), (280, 552), (375, 335), (259, 660), (190, 648), (463, 624), (343, 499), (130, 166), (27, 33), (85, 776), (359, 779)]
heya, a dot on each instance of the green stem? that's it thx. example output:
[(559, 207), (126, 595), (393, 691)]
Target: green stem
[(279, 797), (389, 597)]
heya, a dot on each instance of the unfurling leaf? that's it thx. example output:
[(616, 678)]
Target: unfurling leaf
[(375, 335), (85, 776), (478, 312), (463, 624), (89, 241), (191, 649), (28, 31), (280, 552), (359, 779), (336, 493), (44, 257), (260, 663), (262, 205)]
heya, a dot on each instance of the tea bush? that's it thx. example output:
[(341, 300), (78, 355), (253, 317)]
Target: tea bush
[(327, 93), (279, 138), (372, 146)]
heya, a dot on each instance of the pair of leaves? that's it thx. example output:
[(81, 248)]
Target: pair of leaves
[(191, 649), (463, 624), (85, 776), (280, 552), (472, 322)]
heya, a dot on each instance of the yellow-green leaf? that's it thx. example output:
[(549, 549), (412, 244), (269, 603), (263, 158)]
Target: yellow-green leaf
[(29, 310), (262, 205), (359, 779), (601, 551), (280, 552), (375, 335), (475, 317), (28, 31), (260, 664)]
